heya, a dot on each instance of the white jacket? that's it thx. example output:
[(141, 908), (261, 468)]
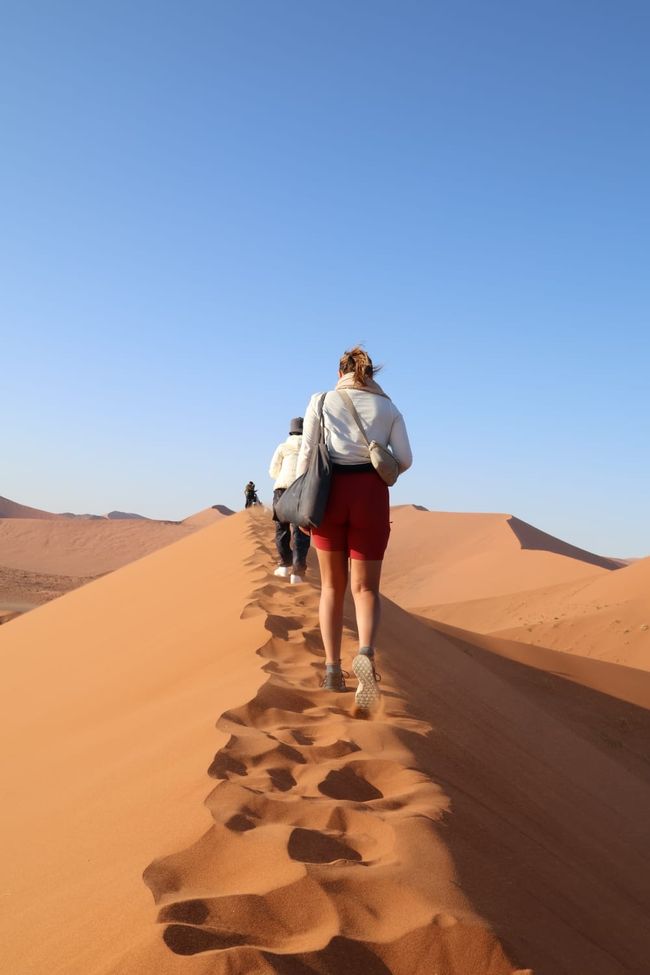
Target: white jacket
[(381, 419), (285, 459)]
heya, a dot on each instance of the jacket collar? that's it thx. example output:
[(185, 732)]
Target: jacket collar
[(347, 382)]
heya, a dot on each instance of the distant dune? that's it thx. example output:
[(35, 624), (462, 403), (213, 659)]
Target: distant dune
[(607, 618), (208, 516), (438, 557), (491, 818), (124, 515), (11, 509), (482, 584), (80, 547), (43, 554)]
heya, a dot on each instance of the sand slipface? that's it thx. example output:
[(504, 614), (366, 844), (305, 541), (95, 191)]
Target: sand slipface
[(489, 818), (480, 579), (438, 557)]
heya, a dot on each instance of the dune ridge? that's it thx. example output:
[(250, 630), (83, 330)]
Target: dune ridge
[(438, 557), (12, 509)]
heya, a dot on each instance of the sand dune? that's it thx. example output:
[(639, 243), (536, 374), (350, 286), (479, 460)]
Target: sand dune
[(491, 818), (81, 547), (43, 556), (11, 509), (440, 557), (55, 544), (208, 516), (606, 616), (124, 516)]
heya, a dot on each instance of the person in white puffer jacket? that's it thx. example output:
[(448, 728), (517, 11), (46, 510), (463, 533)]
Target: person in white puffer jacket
[(291, 543)]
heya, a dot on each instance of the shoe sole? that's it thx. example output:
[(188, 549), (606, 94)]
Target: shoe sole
[(367, 693)]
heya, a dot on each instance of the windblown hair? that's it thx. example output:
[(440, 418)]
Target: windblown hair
[(359, 362)]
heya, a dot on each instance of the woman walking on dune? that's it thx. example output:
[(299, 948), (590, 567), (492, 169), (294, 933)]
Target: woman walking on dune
[(355, 529)]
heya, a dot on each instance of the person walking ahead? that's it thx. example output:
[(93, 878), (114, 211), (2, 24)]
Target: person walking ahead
[(293, 563), (356, 524), (250, 493)]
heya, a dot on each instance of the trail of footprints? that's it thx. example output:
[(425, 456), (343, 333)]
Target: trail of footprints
[(309, 818)]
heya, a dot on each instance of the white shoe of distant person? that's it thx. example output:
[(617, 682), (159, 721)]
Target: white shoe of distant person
[(284, 571), (295, 580)]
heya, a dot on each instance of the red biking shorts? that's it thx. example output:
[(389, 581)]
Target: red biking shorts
[(357, 517)]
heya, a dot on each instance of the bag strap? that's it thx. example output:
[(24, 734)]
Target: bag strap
[(321, 419), (347, 399)]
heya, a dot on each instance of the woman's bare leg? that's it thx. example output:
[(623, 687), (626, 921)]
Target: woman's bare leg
[(334, 581), (365, 578)]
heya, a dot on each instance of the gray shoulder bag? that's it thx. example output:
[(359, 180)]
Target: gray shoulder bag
[(380, 457), (304, 502)]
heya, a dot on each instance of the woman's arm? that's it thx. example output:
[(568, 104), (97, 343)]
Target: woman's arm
[(399, 444), (310, 434)]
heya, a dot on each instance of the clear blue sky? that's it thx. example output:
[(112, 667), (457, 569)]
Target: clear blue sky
[(203, 203)]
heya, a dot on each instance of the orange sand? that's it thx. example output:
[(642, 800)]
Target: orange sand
[(43, 555), (490, 818), (439, 557)]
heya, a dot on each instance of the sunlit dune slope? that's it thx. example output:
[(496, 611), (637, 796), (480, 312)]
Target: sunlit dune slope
[(208, 516), (81, 547), (607, 616), (437, 557), (109, 699)]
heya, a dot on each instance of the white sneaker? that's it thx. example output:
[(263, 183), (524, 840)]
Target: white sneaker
[(296, 580), (367, 693), (284, 571)]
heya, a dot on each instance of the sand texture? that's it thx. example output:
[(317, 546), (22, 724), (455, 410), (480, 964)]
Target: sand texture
[(483, 579), (438, 557), (43, 555), (182, 797)]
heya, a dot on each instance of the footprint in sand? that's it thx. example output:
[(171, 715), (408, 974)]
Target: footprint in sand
[(346, 783), (311, 846)]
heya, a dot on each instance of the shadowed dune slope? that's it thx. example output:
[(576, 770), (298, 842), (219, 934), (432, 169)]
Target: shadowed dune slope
[(490, 817), (440, 557), (533, 539), (607, 617)]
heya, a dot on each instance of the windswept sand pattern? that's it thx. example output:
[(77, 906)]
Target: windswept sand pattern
[(324, 854)]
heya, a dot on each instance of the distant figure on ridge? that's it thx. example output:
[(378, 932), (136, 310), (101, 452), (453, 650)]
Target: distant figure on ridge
[(291, 543), (356, 524), (250, 493)]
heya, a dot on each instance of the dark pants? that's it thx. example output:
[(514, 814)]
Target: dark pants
[(285, 534)]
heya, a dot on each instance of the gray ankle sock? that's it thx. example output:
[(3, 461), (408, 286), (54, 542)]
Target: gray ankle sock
[(367, 651), (333, 668)]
